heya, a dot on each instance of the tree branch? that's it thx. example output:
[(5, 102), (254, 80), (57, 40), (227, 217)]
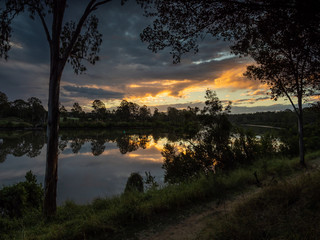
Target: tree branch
[(98, 4), (44, 26), (288, 96), (76, 33)]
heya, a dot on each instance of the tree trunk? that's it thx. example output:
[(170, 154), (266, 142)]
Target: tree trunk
[(301, 142), (51, 176), (300, 130)]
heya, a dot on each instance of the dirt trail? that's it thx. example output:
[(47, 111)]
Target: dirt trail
[(189, 227)]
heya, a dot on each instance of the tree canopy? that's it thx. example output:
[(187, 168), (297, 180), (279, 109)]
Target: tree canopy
[(281, 36)]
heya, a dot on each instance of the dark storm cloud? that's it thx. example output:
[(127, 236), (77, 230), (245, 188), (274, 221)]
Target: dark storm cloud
[(90, 93), (125, 60)]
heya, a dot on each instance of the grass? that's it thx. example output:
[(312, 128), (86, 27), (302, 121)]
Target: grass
[(13, 122), (287, 210), (115, 218)]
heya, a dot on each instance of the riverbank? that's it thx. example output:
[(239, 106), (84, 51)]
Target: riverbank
[(124, 216)]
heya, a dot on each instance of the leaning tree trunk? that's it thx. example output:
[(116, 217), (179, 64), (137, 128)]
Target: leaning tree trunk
[(51, 176)]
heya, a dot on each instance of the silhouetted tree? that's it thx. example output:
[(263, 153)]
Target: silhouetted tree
[(134, 183), (4, 105), (63, 111), (20, 108), (68, 42), (282, 36), (37, 111), (127, 110), (76, 110), (99, 108), (144, 113)]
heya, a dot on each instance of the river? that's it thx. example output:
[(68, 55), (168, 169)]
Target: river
[(92, 163)]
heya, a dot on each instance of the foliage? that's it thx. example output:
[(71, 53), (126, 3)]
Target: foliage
[(280, 36), (20, 199), (134, 183), (150, 181)]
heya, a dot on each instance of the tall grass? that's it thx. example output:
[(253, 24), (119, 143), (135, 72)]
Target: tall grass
[(288, 210), (114, 217)]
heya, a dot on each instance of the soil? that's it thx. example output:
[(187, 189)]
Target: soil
[(189, 227)]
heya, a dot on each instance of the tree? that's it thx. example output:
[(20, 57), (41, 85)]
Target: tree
[(127, 110), (37, 111), (211, 147), (20, 108), (286, 52), (99, 108), (281, 36), (144, 113), (77, 110), (63, 111), (70, 42), (4, 104)]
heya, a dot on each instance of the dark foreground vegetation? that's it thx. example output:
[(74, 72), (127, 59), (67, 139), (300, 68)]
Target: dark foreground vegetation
[(123, 216), (288, 210)]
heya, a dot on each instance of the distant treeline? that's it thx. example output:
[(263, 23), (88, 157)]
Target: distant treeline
[(25, 113), (281, 119), (129, 114)]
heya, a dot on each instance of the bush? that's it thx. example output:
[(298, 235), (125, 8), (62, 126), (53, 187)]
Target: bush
[(134, 183), (21, 198)]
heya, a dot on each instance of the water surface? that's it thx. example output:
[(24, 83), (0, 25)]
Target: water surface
[(92, 163)]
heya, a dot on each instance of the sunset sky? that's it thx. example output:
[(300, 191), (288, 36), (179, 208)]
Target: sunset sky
[(128, 70)]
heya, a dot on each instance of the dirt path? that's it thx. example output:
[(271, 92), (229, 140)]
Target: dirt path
[(188, 228)]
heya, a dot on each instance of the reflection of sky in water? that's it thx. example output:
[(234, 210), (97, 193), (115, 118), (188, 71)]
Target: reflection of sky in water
[(82, 176)]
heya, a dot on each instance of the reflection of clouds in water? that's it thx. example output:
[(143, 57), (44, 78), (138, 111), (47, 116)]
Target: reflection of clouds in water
[(14, 168), (83, 176), (103, 175)]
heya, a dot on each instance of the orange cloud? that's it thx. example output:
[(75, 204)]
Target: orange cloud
[(234, 79)]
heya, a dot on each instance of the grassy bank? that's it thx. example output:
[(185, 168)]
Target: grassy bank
[(287, 210), (115, 218), (13, 122)]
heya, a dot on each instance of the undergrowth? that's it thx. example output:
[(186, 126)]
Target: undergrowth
[(287, 210), (111, 217)]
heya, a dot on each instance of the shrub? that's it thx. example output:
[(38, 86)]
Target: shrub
[(23, 197), (134, 183)]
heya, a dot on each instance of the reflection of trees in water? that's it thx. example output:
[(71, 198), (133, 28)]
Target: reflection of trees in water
[(97, 147), (62, 144), (31, 143), (26, 143), (76, 144), (127, 144)]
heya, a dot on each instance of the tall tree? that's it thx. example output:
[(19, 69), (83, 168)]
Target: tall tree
[(77, 110), (70, 42), (282, 36), (99, 108), (36, 110), (286, 49), (4, 105)]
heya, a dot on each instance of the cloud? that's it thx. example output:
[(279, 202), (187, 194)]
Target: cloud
[(249, 100), (233, 78), (90, 93)]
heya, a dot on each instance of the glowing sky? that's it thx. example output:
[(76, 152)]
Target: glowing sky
[(128, 70)]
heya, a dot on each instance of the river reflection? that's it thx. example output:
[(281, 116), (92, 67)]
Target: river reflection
[(92, 163)]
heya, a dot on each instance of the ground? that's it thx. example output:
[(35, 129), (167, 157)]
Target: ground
[(190, 227)]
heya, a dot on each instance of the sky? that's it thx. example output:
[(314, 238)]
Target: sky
[(128, 70)]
